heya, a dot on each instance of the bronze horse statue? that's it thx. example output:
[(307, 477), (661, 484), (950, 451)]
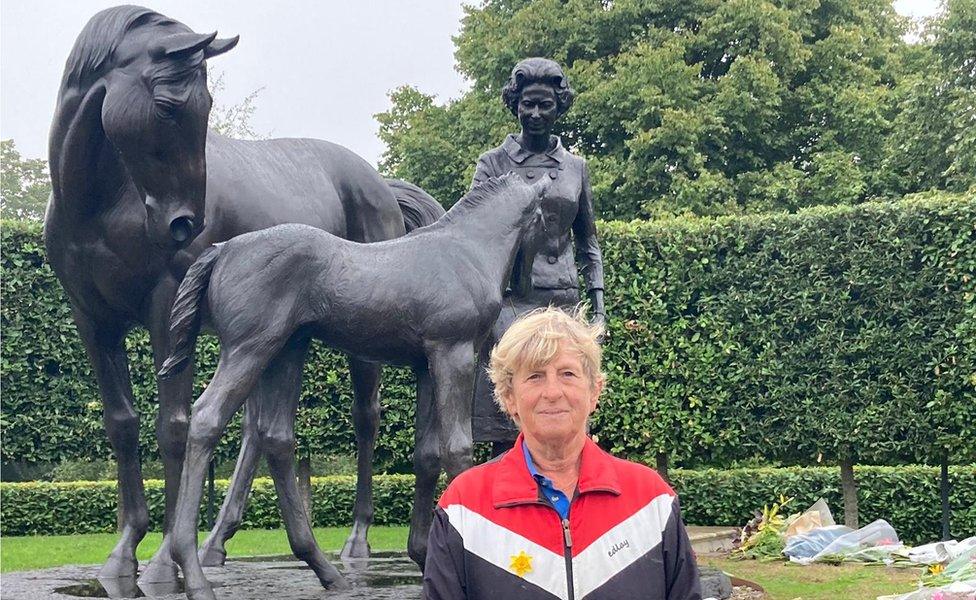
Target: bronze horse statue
[(141, 188), (426, 300)]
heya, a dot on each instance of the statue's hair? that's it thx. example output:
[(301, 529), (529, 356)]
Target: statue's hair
[(97, 42), (534, 340), (538, 70)]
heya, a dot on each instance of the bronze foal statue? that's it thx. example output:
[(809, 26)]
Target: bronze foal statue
[(427, 300)]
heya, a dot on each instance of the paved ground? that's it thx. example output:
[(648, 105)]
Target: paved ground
[(388, 577)]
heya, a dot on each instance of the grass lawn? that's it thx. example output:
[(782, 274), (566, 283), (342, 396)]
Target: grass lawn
[(787, 581), (783, 581), (38, 552)]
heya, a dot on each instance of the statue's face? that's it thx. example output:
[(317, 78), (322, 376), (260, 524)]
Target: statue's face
[(538, 109)]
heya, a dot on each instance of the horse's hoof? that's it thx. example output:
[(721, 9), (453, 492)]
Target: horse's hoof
[(329, 576), (355, 548), (339, 583), (212, 556), (120, 587), (159, 571), (153, 590), (204, 592), (119, 567)]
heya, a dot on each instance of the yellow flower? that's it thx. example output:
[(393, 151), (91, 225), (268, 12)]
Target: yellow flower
[(521, 563), (936, 569)]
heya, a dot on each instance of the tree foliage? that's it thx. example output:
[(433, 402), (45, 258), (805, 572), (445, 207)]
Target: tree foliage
[(713, 107), (25, 183), (232, 120)]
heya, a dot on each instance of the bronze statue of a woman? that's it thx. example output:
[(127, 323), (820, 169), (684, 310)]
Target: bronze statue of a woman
[(538, 93)]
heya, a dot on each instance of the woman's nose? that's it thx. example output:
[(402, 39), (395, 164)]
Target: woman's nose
[(552, 388)]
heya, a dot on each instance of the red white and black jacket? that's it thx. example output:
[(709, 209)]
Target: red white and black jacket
[(495, 538)]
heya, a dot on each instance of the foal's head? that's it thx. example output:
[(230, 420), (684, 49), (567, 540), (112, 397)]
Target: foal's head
[(516, 205)]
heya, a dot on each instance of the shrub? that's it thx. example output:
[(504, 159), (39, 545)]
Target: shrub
[(845, 333), (907, 497)]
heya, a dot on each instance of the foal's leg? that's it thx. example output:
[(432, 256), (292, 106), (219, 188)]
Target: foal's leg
[(279, 391), (443, 433), (104, 345), (366, 421), (452, 369), (236, 375), (212, 552), (426, 467)]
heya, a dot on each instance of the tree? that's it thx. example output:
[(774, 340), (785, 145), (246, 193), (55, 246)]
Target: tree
[(235, 120), (933, 141), (25, 182), (705, 107)]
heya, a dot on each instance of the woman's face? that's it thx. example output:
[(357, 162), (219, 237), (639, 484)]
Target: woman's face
[(553, 402), (537, 109)]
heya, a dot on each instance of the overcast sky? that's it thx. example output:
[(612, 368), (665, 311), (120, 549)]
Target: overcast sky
[(325, 66)]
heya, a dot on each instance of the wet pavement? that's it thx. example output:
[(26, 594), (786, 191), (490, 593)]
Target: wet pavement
[(385, 576)]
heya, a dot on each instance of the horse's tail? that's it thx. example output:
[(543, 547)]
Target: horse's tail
[(418, 207), (185, 321)]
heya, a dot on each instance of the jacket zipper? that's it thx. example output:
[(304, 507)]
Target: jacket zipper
[(568, 554), (567, 545)]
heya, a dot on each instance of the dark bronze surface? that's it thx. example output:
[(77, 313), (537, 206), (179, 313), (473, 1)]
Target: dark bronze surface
[(538, 93), (141, 188), (427, 300)]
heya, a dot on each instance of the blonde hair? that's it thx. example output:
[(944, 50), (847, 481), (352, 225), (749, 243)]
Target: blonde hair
[(534, 339)]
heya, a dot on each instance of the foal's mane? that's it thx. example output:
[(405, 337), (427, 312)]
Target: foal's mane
[(481, 194), (91, 55)]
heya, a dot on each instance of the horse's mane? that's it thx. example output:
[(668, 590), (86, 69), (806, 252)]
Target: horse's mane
[(97, 42), (480, 194)]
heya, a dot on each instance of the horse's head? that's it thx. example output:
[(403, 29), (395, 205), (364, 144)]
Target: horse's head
[(155, 113)]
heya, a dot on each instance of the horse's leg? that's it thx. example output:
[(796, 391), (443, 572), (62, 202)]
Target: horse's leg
[(452, 369), (426, 467), (175, 394), (104, 345), (236, 375), (279, 391), (212, 552), (366, 421)]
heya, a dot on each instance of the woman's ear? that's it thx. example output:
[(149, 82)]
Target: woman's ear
[(511, 408), (597, 390)]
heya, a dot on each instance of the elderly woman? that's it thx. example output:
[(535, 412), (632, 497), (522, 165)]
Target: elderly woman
[(556, 516), (538, 93)]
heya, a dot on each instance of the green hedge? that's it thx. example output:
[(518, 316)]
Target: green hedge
[(835, 333), (905, 496)]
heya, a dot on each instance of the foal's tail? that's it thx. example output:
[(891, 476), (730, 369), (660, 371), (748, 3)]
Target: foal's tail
[(184, 321), (418, 207)]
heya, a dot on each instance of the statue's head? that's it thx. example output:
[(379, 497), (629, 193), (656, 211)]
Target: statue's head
[(155, 114), (143, 77), (537, 93)]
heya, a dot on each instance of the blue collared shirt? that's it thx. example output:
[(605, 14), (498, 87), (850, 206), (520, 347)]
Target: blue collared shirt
[(555, 497)]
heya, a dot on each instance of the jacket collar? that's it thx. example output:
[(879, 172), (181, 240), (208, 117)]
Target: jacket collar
[(513, 484), (518, 154)]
